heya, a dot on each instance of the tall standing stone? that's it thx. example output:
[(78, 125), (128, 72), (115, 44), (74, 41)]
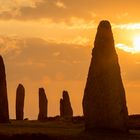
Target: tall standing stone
[(104, 102), (20, 95), (65, 106), (4, 111), (43, 105)]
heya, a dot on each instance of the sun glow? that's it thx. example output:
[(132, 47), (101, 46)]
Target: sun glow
[(136, 44), (133, 48)]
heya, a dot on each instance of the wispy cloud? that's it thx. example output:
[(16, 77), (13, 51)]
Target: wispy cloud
[(126, 48), (128, 26), (11, 8), (60, 4)]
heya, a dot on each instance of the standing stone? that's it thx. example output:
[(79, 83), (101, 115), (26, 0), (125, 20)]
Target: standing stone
[(20, 95), (4, 111), (65, 106), (43, 105), (104, 102)]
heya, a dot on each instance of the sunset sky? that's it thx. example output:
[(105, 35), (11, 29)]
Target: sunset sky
[(48, 43)]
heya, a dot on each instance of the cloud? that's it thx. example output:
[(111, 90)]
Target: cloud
[(56, 9), (63, 10), (129, 66), (56, 60), (126, 48), (128, 26), (59, 66), (60, 4), (48, 57), (27, 54), (11, 8), (50, 65)]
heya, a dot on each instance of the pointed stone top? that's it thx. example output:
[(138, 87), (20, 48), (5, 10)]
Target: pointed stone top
[(21, 90), (104, 31), (65, 93), (104, 41), (41, 89), (20, 86), (104, 24)]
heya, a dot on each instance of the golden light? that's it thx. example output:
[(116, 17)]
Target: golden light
[(136, 44), (131, 48)]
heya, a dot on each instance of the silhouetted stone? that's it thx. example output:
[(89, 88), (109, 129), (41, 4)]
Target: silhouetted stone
[(104, 103), (4, 111), (20, 95), (65, 106), (43, 105)]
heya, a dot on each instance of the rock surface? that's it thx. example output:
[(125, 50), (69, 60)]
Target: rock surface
[(43, 105), (104, 102), (20, 95), (4, 110), (65, 106)]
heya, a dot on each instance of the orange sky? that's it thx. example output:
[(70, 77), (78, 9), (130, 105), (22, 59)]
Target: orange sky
[(48, 43)]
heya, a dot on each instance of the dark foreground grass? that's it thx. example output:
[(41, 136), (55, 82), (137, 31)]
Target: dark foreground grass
[(58, 130)]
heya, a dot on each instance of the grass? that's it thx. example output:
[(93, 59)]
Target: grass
[(57, 130)]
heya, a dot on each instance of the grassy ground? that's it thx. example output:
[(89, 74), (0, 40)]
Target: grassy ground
[(58, 130)]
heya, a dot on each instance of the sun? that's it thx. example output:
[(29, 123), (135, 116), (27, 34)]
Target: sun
[(136, 44)]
